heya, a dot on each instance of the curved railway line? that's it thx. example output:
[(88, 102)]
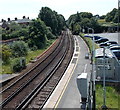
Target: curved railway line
[(32, 89)]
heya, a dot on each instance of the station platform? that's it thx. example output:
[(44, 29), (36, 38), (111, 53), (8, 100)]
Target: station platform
[(66, 94), (6, 77)]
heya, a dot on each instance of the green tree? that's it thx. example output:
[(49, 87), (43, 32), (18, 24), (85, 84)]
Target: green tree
[(5, 53), (115, 19), (76, 28), (95, 25), (14, 26), (19, 49), (86, 15), (47, 15), (38, 34), (102, 17), (78, 18), (110, 16), (52, 19), (85, 23), (18, 64)]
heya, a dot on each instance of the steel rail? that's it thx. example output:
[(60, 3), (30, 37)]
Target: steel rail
[(22, 86), (26, 101)]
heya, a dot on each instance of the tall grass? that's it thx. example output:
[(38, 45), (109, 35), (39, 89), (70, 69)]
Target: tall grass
[(90, 44), (112, 97)]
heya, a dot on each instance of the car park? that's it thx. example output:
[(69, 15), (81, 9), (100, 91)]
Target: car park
[(108, 43), (117, 47), (112, 45), (117, 54), (111, 42), (97, 37), (101, 40), (103, 44)]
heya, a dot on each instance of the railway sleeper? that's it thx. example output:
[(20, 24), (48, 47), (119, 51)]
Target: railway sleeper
[(43, 96), (42, 99), (44, 93)]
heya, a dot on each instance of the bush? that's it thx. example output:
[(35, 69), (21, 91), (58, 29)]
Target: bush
[(19, 49), (18, 64), (5, 53)]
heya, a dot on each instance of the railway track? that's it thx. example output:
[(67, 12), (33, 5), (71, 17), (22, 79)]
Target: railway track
[(40, 81)]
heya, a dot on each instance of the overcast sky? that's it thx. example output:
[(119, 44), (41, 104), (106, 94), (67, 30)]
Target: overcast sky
[(30, 8)]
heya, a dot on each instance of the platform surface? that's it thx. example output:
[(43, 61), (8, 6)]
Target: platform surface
[(67, 95)]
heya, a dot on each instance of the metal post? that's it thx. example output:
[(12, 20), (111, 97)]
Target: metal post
[(93, 74), (104, 88), (118, 20), (118, 14)]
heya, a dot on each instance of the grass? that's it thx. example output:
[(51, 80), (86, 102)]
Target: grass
[(32, 54), (90, 43), (6, 68), (102, 22), (112, 97)]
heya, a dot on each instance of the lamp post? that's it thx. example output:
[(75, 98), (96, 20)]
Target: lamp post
[(118, 14), (104, 88), (118, 20), (93, 73)]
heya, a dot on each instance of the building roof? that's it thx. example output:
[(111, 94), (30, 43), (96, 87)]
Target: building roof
[(82, 76), (20, 21), (99, 53)]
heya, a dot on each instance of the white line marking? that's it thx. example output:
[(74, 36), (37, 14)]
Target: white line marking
[(85, 68)]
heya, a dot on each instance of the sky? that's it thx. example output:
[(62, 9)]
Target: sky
[(31, 8)]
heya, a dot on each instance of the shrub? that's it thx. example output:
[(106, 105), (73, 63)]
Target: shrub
[(18, 64), (19, 49), (5, 53)]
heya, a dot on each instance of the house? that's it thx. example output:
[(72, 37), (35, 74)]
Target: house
[(24, 20)]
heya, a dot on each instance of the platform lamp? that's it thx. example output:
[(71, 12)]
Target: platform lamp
[(118, 20), (104, 107), (93, 73)]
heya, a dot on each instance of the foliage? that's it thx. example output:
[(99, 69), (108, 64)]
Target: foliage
[(83, 20), (18, 64), (14, 26), (38, 34), (112, 16), (53, 20), (86, 15), (15, 31), (76, 28), (19, 49), (102, 17), (5, 53), (89, 42), (112, 99)]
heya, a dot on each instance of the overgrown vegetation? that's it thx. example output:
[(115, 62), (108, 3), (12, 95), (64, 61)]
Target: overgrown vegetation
[(29, 40), (83, 20), (112, 97), (32, 54), (89, 42), (18, 64)]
